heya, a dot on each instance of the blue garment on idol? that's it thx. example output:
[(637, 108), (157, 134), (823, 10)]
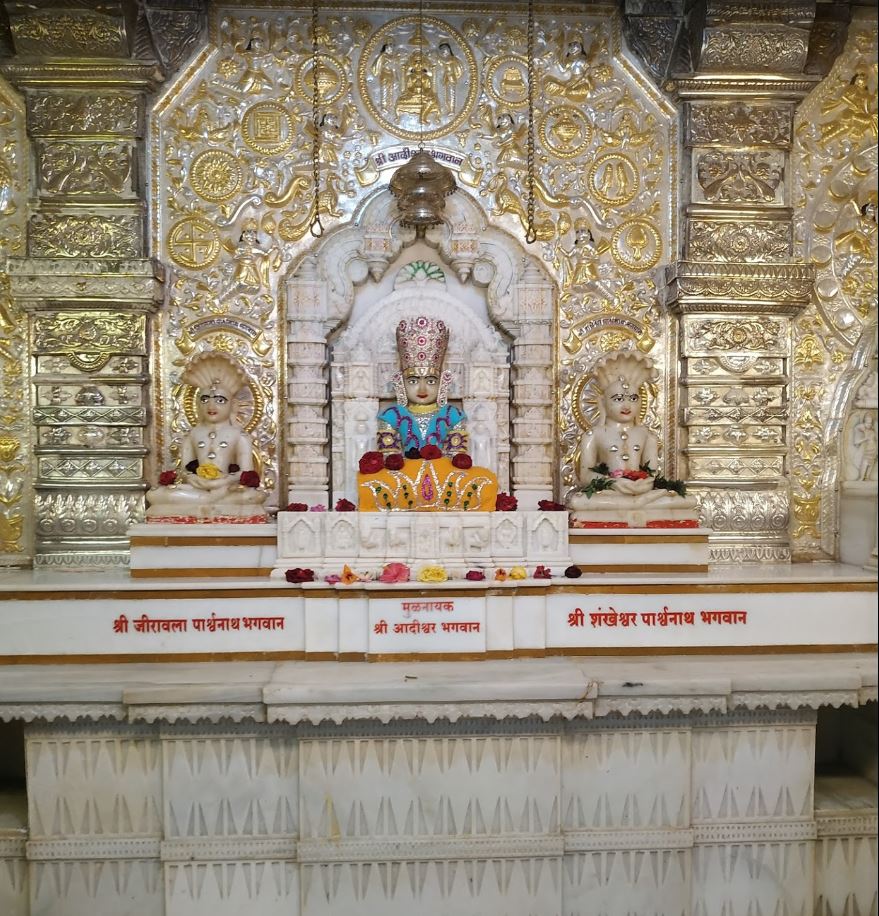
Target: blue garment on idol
[(399, 429)]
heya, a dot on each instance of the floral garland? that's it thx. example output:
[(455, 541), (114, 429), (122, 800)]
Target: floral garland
[(210, 471), (608, 477)]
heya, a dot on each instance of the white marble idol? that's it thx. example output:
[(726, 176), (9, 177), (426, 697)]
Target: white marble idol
[(216, 480), (619, 457)]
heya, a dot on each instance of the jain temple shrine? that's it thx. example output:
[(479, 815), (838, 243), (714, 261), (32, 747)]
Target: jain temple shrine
[(438, 458)]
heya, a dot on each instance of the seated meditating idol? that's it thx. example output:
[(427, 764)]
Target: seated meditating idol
[(619, 456), (422, 415), (422, 460), (217, 481)]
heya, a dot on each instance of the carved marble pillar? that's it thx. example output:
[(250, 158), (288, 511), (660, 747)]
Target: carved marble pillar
[(737, 288), (533, 391), (86, 284), (307, 426)]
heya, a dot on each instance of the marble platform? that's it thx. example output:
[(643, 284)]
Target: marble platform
[(529, 786), (80, 616)]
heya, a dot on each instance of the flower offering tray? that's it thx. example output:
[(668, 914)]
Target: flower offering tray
[(639, 550), (208, 549)]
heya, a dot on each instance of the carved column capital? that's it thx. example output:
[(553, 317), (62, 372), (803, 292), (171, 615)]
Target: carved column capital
[(43, 283), (694, 287)]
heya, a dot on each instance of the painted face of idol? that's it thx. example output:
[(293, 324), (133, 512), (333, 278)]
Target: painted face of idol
[(421, 389)]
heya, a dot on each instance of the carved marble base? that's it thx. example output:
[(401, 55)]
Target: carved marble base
[(459, 541), (169, 551), (640, 549), (613, 516), (545, 786)]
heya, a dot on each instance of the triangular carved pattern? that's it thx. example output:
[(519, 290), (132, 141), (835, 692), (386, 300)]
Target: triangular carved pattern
[(754, 879), (518, 887), (271, 888), (751, 773), (604, 785), (845, 882), (231, 787), (649, 883), (430, 787), (96, 887), (68, 787)]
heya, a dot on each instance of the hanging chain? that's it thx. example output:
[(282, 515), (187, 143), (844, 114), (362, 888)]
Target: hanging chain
[(420, 75), (530, 234), (316, 228)]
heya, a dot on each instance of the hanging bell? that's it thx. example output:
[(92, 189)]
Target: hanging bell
[(421, 187)]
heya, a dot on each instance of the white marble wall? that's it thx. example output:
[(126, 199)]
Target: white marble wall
[(697, 815)]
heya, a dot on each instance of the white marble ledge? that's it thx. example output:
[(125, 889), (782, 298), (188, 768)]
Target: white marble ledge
[(294, 692), (73, 581), (834, 794)]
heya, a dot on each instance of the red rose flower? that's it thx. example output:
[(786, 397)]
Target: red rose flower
[(297, 507), (475, 575), (506, 503), (573, 572), (249, 479), (429, 452), (166, 478), (462, 461), (299, 575), (542, 572), (549, 506), (371, 463), (635, 475), (394, 461), (345, 505)]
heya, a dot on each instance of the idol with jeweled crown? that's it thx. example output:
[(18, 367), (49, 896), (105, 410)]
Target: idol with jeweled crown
[(422, 416), (619, 456), (422, 461), (217, 481)]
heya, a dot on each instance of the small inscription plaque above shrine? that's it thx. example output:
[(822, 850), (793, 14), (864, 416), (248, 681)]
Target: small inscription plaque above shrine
[(426, 626)]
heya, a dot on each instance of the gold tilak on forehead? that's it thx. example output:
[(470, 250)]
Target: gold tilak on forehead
[(421, 371)]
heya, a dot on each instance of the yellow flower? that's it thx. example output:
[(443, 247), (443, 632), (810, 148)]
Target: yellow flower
[(518, 572), (209, 472), (433, 574), (349, 577)]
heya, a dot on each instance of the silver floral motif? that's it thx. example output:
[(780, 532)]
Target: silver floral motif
[(85, 168), (732, 334), (772, 47), (72, 515), (87, 113), (755, 241), (739, 123), (740, 177), (85, 236)]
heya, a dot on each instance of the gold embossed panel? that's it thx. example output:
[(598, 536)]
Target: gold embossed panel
[(233, 143), (836, 177), (15, 438)]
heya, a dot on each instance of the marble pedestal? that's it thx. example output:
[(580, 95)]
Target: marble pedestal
[(642, 550), (659, 516), (459, 541), (171, 551)]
